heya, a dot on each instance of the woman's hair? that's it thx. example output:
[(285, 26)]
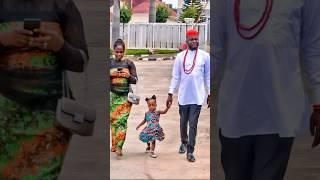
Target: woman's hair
[(153, 97), (119, 42)]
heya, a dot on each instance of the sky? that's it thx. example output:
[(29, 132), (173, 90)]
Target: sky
[(173, 2)]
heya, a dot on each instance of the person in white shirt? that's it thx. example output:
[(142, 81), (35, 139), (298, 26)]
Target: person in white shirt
[(265, 47), (191, 73)]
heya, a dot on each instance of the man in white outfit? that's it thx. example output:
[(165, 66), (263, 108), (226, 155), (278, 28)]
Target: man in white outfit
[(191, 73), (261, 102)]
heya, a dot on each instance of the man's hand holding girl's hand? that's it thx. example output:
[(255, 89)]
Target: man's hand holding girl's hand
[(169, 100)]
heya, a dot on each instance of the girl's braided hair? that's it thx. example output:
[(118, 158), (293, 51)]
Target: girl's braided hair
[(153, 97)]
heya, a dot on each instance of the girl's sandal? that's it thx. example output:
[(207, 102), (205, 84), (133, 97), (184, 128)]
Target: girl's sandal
[(153, 155), (148, 149)]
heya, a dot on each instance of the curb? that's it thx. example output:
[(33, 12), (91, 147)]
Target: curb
[(156, 59), (148, 58)]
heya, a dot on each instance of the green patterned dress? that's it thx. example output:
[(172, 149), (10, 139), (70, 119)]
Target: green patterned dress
[(32, 145)]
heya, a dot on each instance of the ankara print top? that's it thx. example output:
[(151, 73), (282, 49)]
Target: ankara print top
[(120, 85), (33, 76)]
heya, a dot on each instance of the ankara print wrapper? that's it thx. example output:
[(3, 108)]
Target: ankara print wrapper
[(31, 146), (119, 113)]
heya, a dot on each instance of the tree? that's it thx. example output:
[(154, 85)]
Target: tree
[(116, 21), (190, 12), (152, 12), (162, 14), (191, 9), (125, 14)]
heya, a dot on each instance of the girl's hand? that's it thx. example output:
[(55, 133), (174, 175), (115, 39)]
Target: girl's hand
[(47, 40), (15, 38), (166, 110), (168, 106)]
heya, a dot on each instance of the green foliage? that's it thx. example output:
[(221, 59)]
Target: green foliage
[(162, 14), (146, 51), (191, 9), (125, 14), (136, 51), (190, 12), (165, 51)]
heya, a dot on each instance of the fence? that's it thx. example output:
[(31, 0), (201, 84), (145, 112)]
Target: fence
[(159, 35)]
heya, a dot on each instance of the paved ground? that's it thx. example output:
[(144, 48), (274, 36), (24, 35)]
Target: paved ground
[(87, 158), (154, 78)]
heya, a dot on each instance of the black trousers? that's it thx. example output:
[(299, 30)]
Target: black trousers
[(189, 113), (258, 157)]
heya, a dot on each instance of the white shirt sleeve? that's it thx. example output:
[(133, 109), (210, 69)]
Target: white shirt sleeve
[(207, 73), (176, 75), (311, 46)]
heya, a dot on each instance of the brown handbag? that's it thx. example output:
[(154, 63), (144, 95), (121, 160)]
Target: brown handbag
[(73, 115)]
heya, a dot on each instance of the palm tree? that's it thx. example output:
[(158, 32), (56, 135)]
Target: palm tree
[(116, 20), (152, 12)]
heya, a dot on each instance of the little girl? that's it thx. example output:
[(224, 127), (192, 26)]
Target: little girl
[(153, 130)]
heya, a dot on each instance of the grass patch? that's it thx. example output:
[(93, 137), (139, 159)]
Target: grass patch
[(136, 51), (165, 51), (146, 51)]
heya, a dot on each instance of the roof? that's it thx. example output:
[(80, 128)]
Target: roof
[(142, 7)]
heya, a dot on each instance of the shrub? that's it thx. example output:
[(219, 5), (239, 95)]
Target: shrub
[(162, 14)]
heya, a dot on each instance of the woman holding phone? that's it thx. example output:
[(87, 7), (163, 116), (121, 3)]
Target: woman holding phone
[(38, 39), (122, 74)]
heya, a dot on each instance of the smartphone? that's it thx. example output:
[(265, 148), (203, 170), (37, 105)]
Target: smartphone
[(32, 24)]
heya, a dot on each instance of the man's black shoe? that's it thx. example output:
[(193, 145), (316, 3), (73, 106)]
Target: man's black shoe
[(183, 148), (190, 157)]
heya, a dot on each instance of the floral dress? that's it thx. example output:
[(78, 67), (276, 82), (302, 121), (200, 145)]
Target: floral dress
[(153, 130)]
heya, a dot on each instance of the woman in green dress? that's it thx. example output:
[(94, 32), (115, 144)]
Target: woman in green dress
[(122, 74), (32, 145)]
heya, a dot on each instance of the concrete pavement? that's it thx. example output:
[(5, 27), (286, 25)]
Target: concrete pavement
[(154, 78), (87, 157)]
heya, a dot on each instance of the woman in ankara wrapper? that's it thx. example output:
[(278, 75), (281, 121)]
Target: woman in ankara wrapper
[(122, 74)]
